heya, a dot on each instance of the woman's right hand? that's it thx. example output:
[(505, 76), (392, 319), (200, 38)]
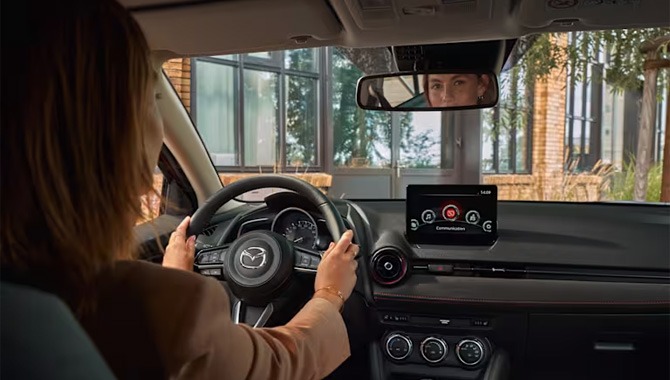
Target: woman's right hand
[(337, 270)]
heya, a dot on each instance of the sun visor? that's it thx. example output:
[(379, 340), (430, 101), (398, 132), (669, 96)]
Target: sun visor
[(482, 55), (238, 26), (554, 14)]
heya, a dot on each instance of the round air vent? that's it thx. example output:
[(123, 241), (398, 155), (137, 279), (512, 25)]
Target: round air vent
[(388, 266)]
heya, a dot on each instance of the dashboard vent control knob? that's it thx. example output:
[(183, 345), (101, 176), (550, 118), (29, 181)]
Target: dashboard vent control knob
[(388, 266)]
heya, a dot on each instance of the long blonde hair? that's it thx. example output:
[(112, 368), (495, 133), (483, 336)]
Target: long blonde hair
[(75, 80)]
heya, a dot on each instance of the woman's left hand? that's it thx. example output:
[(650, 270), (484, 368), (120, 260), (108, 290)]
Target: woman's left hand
[(180, 251)]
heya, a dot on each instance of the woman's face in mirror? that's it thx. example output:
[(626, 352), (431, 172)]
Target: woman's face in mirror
[(456, 90)]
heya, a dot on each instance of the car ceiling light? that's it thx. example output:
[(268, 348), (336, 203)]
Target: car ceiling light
[(368, 5), (427, 10)]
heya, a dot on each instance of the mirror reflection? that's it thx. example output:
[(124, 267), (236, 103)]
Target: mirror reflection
[(428, 91)]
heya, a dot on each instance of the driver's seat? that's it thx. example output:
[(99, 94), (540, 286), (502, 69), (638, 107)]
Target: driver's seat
[(41, 339)]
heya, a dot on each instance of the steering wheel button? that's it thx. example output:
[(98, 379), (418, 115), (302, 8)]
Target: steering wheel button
[(304, 261), (211, 272), (314, 263)]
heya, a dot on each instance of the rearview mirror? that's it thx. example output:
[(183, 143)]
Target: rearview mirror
[(428, 91)]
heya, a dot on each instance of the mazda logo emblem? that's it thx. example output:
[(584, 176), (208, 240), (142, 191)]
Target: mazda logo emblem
[(254, 257)]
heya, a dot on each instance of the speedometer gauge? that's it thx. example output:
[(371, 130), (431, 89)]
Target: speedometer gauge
[(303, 233), (297, 226)]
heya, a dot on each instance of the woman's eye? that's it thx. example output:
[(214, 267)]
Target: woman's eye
[(435, 86)]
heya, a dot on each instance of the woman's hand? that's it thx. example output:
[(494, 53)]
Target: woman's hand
[(180, 251), (337, 271)]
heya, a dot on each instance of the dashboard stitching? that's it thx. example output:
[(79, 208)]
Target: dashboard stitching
[(399, 297)]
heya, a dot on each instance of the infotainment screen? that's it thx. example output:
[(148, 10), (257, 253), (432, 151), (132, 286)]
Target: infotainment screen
[(452, 214)]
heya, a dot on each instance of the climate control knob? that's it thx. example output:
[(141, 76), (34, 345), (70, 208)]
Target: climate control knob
[(398, 346), (470, 352), (433, 350)]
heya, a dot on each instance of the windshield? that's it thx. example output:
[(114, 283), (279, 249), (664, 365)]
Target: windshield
[(567, 126)]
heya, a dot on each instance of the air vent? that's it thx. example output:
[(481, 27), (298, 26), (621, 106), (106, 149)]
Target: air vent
[(209, 230), (388, 266)]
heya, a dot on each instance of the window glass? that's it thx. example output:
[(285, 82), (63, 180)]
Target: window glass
[(505, 128), (301, 60), (231, 57), (362, 139), (301, 121), (420, 139), (261, 114), (151, 202), (565, 128), (215, 111), (261, 54)]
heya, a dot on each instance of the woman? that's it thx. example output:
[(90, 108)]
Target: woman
[(456, 90), (80, 135)]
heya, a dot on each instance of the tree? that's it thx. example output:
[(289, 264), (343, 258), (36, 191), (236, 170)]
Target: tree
[(509, 120), (359, 136), (650, 49), (628, 49), (538, 55), (362, 137), (301, 108), (415, 147)]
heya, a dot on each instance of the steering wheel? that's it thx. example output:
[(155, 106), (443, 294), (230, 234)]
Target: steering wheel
[(258, 264)]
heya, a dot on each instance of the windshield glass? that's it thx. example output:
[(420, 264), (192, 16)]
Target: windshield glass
[(567, 126)]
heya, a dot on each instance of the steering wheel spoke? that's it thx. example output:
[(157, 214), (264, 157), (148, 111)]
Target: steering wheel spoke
[(251, 315), (209, 262), (306, 260)]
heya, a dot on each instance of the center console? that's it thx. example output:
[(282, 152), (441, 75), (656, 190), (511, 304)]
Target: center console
[(436, 350), (441, 348), (428, 344), (546, 291)]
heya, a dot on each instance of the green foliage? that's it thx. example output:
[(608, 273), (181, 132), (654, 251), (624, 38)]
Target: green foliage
[(541, 55), (544, 53), (363, 138), (622, 184), (625, 69), (358, 135), (301, 111), (509, 120), (416, 148)]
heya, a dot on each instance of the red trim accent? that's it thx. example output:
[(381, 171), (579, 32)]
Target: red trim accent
[(417, 298)]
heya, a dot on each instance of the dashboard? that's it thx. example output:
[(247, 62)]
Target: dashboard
[(298, 226), (579, 291)]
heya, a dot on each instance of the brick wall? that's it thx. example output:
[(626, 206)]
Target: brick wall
[(179, 72), (548, 180)]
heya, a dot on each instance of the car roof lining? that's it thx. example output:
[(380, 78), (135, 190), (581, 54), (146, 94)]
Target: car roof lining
[(211, 27)]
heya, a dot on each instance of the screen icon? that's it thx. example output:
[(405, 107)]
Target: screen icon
[(472, 217), (450, 212), (487, 226), (414, 224), (428, 216)]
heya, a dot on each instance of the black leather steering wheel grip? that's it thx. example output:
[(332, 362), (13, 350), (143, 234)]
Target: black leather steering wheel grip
[(204, 213)]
